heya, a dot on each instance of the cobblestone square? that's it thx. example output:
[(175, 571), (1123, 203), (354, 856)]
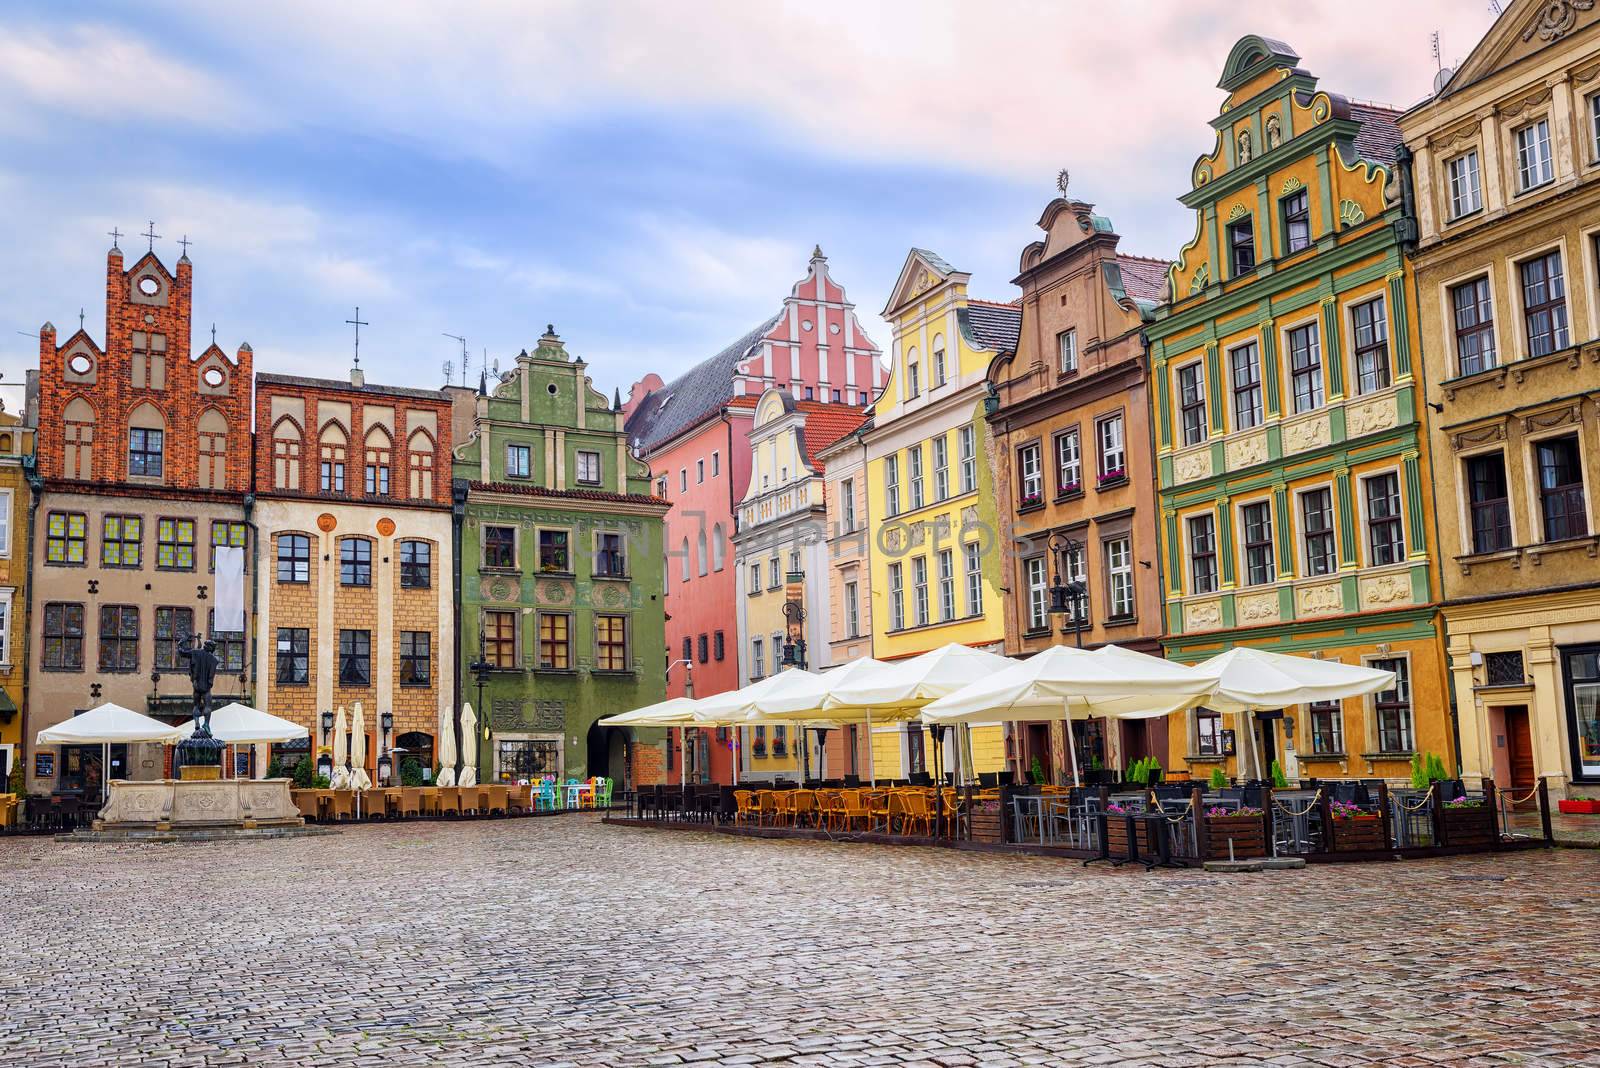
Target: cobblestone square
[(566, 941)]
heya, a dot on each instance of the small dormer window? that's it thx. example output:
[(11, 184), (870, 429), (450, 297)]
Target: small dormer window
[(1242, 245)]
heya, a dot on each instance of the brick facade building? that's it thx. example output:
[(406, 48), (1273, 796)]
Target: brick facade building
[(355, 591), (142, 465)]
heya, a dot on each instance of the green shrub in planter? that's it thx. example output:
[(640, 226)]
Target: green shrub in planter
[(1280, 781), (1219, 780)]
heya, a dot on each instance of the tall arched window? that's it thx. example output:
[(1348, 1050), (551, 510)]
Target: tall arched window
[(286, 444), (213, 450), (419, 448), (79, 420), (334, 445), (147, 443), (719, 547), (683, 558), (700, 552), (376, 476)]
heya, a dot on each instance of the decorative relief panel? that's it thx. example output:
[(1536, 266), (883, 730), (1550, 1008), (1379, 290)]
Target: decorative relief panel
[(1386, 591), (1258, 608), (1202, 615), (1190, 466), (1307, 434), (1247, 451), (1324, 599), (1371, 416)]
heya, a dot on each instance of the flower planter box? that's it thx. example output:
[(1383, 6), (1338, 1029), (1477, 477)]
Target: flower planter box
[(1117, 834), (986, 824), (1579, 806), (1248, 834), (1358, 834), (1468, 826)]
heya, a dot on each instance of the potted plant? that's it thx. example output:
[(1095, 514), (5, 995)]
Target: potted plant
[(1280, 781), (1579, 806), (1117, 830), (1467, 821), (1219, 779), (1036, 772), (1243, 826), (1114, 475), (1354, 829), (1030, 500), (1071, 487)]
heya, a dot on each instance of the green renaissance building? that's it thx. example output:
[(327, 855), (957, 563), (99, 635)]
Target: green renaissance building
[(560, 595)]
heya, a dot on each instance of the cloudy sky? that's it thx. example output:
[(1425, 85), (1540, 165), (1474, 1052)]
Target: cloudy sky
[(648, 176)]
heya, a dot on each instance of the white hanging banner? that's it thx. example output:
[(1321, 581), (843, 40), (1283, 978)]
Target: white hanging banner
[(230, 588)]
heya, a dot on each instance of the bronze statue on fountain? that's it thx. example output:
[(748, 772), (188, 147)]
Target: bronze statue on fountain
[(200, 749)]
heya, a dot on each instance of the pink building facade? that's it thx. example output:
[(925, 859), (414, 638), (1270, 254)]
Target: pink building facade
[(694, 432)]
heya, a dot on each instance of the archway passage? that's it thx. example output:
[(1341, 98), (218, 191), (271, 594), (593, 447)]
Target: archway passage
[(608, 754)]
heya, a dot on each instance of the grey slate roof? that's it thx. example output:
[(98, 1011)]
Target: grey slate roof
[(993, 326), (1142, 278), (1379, 138), (693, 395), (263, 378), (936, 261)]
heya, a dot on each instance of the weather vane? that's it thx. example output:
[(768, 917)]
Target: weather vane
[(1061, 181)]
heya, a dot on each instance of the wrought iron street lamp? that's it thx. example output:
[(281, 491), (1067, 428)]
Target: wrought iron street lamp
[(1069, 597)]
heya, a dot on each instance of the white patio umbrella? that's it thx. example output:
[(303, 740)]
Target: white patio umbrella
[(107, 725), (1063, 682), (1256, 680), (340, 778), (903, 687), (239, 724), (469, 746), (359, 779), (673, 712), (800, 699), (447, 748)]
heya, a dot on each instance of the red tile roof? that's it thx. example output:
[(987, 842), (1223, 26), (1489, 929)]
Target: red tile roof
[(1143, 278), (826, 424)]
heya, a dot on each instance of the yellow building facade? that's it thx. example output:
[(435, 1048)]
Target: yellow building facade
[(936, 558), (16, 443), (1291, 456), (1506, 176)]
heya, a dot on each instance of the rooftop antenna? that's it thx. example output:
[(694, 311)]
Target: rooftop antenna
[(449, 371), (1438, 64), (358, 323), (465, 359), (1494, 5)]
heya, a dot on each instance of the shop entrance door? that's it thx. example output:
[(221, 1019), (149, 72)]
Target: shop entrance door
[(1519, 750)]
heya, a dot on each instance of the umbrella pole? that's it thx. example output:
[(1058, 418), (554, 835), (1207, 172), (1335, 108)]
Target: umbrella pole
[(1072, 748), (872, 766)]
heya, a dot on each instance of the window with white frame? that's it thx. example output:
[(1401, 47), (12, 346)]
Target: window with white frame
[(1296, 221), (1202, 553), (716, 464), (973, 553), (939, 372), (755, 578), (758, 659), (1037, 583), (1489, 502), (1386, 541), (1562, 505), (1076, 569), (852, 611), (1371, 328), (897, 591), (1533, 155), (1465, 194), (1260, 566), (1594, 127), (1305, 367), (847, 505), (699, 471), (967, 454), (914, 459), (1067, 351), (1473, 311), (1030, 467), (5, 626), (1207, 732), (891, 484), (1392, 707), (1192, 403), (1113, 449), (1245, 363), (1069, 462), (1544, 303), (1119, 573), (1316, 531), (947, 584), (941, 468), (913, 376), (774, 574), (1327, 727), (5, 522), (919, 589), (519, 461)]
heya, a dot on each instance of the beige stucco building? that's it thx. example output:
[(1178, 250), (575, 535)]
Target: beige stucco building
[(1507, 205)]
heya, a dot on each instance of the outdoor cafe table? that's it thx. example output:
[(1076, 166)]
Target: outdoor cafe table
[(575, 792)]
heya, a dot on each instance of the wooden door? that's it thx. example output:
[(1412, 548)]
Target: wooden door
[(1519, 749)]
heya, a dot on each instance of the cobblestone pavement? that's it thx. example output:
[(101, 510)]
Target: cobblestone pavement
[(565, 941)]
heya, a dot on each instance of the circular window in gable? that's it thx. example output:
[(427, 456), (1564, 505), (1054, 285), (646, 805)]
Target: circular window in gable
[(80, 364), (805, 324), (552, 388), (213, 377), (833, 328), (149, 286)]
